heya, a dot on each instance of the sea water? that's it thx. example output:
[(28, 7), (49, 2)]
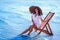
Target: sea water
[(15, 18)]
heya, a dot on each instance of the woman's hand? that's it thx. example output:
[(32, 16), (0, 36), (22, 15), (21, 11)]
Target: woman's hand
[(44, 21)]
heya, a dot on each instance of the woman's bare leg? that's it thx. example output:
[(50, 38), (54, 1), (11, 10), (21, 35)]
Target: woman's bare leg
[(25, 31), (29, 29)]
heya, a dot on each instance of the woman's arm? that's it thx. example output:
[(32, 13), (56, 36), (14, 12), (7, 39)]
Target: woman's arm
[(32, 19), (42, 19)]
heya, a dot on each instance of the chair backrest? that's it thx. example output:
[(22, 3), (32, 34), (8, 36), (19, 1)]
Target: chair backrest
[(47, 19), (49, 16)]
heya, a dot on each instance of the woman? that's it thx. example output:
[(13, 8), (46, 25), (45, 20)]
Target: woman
[(36, 19)]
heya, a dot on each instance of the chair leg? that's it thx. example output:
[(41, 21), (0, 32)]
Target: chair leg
[(46, 31), (50, 30), (46, 28)]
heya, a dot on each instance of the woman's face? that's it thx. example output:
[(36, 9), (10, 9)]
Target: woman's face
[(36, 10)]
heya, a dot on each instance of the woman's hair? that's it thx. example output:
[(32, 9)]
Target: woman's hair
[(32, 10)]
